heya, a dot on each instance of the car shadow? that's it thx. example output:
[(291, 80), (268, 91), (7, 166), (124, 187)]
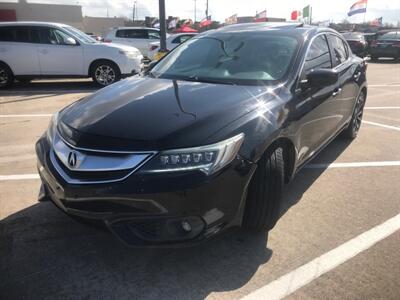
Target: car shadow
[(46, 254), (54, 87), (295, 190)]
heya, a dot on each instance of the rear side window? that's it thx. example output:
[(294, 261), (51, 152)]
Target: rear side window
[(19, 34), (7, 34), (318, 55), (181, 39), (131, 33), (340, 54)]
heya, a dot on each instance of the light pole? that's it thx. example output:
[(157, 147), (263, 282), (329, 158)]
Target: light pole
[(163, 30)]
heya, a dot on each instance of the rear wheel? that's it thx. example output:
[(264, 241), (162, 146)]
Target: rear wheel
[(6, 76), (105, 73), (265, 192), (354, 126)]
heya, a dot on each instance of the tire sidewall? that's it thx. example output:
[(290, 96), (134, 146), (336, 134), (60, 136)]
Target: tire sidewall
[(9, 74)]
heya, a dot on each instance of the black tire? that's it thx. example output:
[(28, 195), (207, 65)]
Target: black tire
[(105, 73), (265, 192), (6, 75), (351, 131)]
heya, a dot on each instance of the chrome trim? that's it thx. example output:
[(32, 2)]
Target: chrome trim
[(71, 180), (87, 163), (91, 163)]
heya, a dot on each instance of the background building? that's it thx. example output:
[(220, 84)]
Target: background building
[(24, 11), (100, 26)]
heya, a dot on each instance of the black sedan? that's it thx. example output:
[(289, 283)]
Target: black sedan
[(207, 140), (357, 43), (386, 45)]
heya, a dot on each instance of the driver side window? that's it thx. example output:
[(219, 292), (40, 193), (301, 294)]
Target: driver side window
[(318, 56)]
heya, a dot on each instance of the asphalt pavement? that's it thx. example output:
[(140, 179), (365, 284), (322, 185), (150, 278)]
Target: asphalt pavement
[(338, 239)]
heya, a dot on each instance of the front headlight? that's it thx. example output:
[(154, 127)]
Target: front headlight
[(208, 159), (131, 53), (52, 129)]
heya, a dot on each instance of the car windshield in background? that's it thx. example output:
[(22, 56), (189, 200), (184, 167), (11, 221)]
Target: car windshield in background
[(390, 36), (247, 59), (83, 37)]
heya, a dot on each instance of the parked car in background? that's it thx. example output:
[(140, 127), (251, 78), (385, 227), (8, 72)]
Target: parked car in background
[(357, 43), (208, 138), (138, 37), (386, 45), (172, 41), (95, 37), (36, 49)]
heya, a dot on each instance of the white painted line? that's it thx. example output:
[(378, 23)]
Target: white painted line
[(354, 165), (382, 107), (291, 282), (384, 85), (382, 125), (18, 177), (26, 116)]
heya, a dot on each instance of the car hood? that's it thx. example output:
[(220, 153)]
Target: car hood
[(155, 114)]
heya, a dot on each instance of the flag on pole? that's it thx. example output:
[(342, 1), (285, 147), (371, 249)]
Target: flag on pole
[(359, 7), (262, 16), (295, 15), (204, 23), (377, 22), (306, 11)]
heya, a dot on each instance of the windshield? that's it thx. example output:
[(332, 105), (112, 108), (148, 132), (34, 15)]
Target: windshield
[(83, 37), (234, 58)]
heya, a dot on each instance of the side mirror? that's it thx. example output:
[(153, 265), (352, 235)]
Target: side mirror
[(70, 41), (322, 77)]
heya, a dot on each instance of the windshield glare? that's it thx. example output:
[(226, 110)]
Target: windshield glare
[(232, 58), (83, 37)]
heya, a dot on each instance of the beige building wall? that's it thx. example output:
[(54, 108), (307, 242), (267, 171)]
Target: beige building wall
[(66, 14), (100, 26)]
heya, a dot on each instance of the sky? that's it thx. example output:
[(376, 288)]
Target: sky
[(323, 10)]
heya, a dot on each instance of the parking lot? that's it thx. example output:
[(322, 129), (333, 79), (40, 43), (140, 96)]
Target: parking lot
[(348, 190)]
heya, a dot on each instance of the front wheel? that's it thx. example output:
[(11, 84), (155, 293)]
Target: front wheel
[(6, 76), (105, 73), (265, 192), (354, 126)]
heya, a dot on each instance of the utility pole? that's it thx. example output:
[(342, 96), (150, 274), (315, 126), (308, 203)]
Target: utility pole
[(195, 8), (134, 11), (163, 30), (207, 10)]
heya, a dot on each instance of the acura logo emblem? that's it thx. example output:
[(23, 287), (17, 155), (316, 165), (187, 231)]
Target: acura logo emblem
[(72, 159)]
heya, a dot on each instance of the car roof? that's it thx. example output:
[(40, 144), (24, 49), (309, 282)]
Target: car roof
[(128, 27), (32, 23), (299, 29)]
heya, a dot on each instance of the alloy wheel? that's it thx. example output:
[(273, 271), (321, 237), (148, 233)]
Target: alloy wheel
[(104, 75), (3, 76), (358, 112)]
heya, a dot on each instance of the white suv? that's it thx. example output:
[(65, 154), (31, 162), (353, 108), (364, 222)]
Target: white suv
[(138, 37), (36, 49)]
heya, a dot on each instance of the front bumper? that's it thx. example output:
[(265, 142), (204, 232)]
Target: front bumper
[(130, 66), (154, 209)]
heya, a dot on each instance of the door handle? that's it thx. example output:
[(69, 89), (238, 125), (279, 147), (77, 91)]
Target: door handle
[(336, 92), (44, 51)]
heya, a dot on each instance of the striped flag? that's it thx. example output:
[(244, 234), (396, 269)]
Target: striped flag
[(359, 7)]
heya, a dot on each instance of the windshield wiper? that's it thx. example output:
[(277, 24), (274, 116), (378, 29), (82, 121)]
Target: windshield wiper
[(195, 78)]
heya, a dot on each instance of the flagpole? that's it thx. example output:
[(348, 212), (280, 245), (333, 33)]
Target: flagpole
[(366, 7)]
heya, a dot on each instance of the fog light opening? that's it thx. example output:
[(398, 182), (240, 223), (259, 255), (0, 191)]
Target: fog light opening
[(186, 226)]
